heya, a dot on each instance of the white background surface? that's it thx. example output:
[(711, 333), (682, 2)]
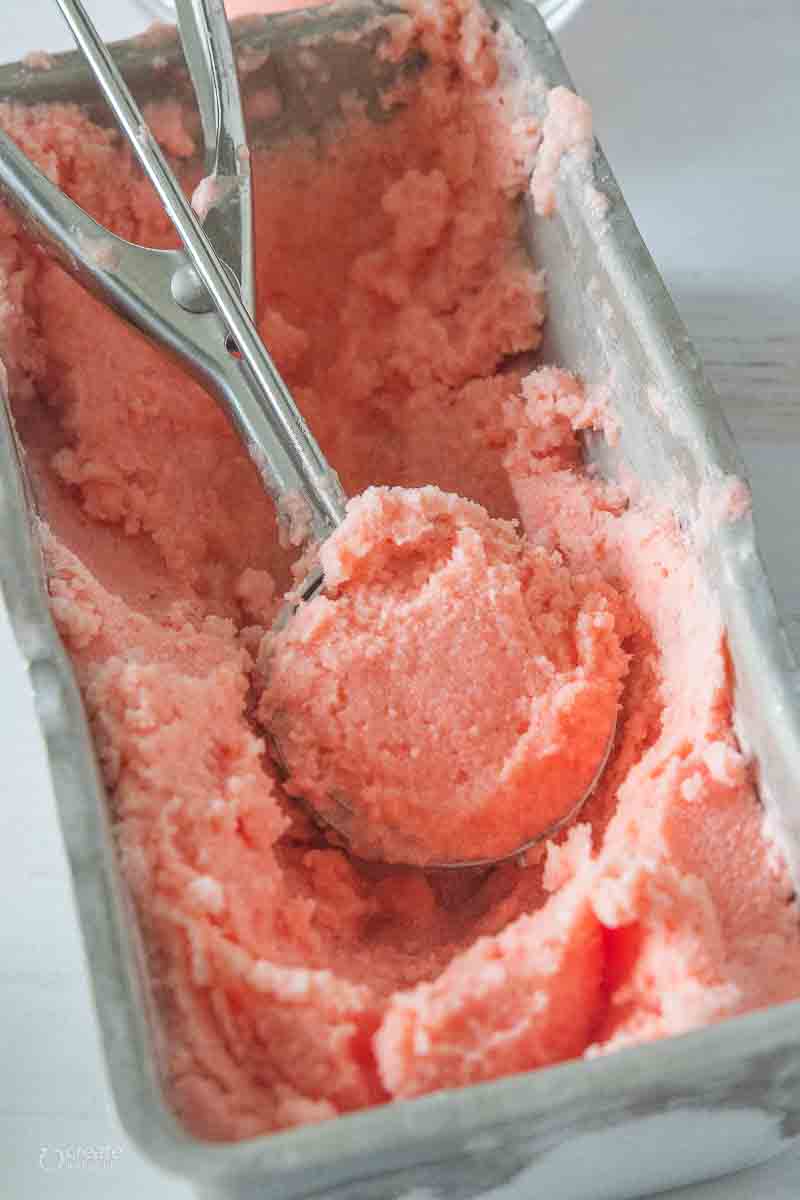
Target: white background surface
[(697, 104)]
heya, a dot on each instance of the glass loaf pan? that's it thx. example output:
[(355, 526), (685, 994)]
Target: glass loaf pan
[(619, 1126)]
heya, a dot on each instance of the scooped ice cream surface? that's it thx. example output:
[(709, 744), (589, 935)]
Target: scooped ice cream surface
[(452, 693)]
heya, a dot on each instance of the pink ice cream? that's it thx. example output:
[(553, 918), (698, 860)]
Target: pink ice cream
[(567, 129), (451, 694), (297, 981)]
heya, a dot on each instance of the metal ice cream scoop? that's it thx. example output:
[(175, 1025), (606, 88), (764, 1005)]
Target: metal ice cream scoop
[(197, 302)]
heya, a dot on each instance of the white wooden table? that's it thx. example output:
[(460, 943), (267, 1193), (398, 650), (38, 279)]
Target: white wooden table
[(697, 104)]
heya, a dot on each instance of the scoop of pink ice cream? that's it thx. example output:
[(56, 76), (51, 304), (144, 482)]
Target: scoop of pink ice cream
[(451, 694)]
